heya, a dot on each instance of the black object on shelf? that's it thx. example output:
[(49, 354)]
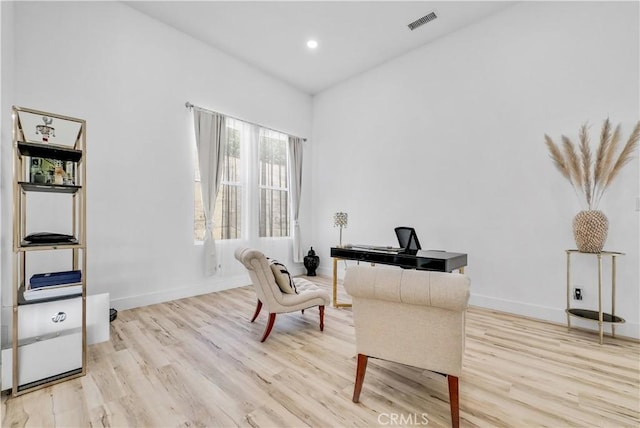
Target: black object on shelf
[(48, 238), (593, 315)]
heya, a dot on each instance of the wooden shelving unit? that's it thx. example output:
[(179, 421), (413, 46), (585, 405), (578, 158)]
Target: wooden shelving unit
[(49, 338)]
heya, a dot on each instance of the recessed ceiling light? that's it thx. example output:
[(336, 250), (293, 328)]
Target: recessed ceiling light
[(312, 44)]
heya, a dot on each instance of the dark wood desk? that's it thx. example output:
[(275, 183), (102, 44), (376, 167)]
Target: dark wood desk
[(439, 261)]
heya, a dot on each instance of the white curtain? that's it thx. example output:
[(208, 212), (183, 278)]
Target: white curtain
[(295, 189), (210, 132)]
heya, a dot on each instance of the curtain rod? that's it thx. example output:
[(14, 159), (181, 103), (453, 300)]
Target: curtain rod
[(190, 106)]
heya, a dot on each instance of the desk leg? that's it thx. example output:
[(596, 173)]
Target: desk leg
[(613, 295), (335, 282), (335, 287), (568, 288)]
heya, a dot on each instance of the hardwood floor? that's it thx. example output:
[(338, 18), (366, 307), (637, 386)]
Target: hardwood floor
[(199, 362)]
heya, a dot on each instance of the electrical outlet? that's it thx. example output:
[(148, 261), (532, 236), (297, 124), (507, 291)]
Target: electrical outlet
[(577, 294)]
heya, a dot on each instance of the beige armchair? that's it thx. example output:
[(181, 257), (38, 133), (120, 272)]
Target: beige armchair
[(411, 317), (270, 295)]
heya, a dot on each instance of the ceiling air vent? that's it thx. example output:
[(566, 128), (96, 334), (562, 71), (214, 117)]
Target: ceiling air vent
[(420, 22)]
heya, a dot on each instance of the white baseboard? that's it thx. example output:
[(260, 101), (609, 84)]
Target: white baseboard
[(554, 315), (544, 313), (146, 299), (225, 283)]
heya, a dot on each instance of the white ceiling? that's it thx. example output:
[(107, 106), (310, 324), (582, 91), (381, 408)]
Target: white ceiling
[(353, 36)]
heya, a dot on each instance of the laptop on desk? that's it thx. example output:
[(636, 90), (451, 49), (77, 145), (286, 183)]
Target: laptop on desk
[(385, 249), (407, 240)]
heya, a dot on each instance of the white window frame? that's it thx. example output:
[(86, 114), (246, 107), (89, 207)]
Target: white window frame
[(250, 186), (260, 186)]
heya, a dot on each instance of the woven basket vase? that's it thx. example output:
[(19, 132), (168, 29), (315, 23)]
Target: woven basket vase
[(590, 230)]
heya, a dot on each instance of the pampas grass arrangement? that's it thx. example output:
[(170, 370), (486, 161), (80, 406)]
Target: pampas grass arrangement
[(590, 176)]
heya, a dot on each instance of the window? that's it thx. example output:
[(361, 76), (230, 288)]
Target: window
[(255, 172), (274, 191)]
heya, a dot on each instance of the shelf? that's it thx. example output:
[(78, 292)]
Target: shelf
[(594, 315), (601, 253), (51, 151), (49, 188), (50, 380), (22, 301), (24, 245), (43, 247)]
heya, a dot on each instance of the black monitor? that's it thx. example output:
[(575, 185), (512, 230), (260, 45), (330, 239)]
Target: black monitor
[(407, 238)]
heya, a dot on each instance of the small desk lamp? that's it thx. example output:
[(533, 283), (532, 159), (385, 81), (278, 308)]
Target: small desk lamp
[(340, 220)]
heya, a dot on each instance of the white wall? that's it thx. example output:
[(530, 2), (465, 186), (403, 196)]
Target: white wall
[(6, 93), (130, 76), (449, 139)]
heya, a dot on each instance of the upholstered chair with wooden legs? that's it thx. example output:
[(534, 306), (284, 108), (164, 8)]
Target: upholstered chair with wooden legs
[(411, 317), (272, 297)]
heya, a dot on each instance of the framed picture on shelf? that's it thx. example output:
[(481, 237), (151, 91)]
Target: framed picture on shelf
[(52, 171)]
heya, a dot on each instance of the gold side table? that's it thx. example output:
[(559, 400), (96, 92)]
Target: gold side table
[(599, 315)]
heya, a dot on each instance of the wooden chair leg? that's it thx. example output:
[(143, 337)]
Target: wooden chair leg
[(255, 315), (454, 399), (360, 371), (272, 319), (322, 318)]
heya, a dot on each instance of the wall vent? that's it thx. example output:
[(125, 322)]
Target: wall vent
[(420, 22)]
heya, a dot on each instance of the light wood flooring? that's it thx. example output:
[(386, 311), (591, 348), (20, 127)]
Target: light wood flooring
[(199, 362)]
